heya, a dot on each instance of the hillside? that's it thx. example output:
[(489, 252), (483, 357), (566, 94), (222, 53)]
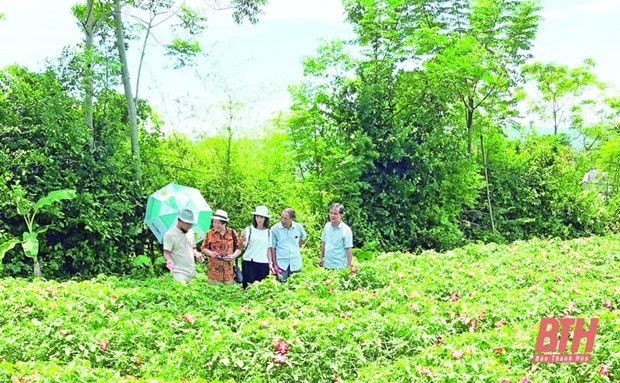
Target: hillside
[(469, 315)]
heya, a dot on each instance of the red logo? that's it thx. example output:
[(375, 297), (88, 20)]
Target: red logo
[(553, 339)]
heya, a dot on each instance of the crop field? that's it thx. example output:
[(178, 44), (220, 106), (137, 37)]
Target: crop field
[(468, 315)]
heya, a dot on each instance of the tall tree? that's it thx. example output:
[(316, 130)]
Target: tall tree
[(89, 26), (374, 132), (559, 89), (174, 14), (129, 99), (475, 49)]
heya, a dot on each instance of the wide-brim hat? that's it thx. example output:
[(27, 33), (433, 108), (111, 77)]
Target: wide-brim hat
[(220, 215), (262, 211), (187, 216)]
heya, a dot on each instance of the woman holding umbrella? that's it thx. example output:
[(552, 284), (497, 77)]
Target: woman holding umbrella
[(221, 245)]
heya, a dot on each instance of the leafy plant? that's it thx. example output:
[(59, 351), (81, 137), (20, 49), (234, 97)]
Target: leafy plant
[(368, 250), (28, 210), (470, 315)]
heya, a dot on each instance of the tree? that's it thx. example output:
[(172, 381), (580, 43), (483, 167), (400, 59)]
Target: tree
[(559, 89), (371, 133), (596, 120), (129, 99), (473, 49), (479, 46), (159, 12), (608, 154), (89, 26)]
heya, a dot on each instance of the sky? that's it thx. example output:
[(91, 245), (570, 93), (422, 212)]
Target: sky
[(254, 64)]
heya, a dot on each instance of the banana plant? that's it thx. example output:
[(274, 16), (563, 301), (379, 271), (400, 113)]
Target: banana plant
[(30, 241)]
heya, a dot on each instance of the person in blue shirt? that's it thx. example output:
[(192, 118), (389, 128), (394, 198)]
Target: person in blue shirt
[(287, 238), (336, 241)]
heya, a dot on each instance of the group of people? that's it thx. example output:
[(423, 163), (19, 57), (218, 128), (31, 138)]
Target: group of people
[(275, 250)]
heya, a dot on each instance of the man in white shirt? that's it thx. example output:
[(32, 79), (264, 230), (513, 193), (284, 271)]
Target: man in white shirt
[(287, 236), (180, 248), (336, 241)]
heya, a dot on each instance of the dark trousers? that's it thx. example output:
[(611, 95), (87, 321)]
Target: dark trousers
[(286, 273), (253, 271)]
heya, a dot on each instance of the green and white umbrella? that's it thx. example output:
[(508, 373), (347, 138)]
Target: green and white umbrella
[(163, 206)]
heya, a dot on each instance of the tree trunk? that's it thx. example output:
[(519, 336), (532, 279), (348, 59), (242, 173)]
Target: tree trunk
[(555, 119), (131, 104), (486, 177), (37, 270), (146, 38), (469, 116), (88, 73)]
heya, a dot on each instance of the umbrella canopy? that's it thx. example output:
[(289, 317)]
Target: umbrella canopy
[(163, 206)]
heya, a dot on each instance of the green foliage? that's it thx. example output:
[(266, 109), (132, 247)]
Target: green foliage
[(183, 51), (367, 251), (382, 124), (6, 246), (44, 146), (469, 315), (247, 9), (377, 142), (536, 191), (28, 211)]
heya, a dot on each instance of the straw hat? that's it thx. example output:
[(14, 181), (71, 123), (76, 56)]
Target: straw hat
[(220, 215)]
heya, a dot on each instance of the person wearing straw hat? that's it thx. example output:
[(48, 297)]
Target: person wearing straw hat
[(221, 245), (258, 257), (179, 248)]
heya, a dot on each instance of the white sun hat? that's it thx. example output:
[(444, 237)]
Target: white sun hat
[(187, 216), (262, 211)]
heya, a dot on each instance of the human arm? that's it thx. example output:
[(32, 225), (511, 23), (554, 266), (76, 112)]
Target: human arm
[(168, 257), (322, 252), (348, 244), (274, 244), (198, 256), (205, 248), (349, 256), (234, 255), (303, 237), (272, 260), (243, 238), (236, 248)]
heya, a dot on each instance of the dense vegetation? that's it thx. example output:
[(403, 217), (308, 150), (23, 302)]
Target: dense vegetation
[(413, 126), (470, 224), (468, 315)]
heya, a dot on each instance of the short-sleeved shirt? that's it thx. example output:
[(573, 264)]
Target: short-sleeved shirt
[(337, 240), (226, 244), (286, 245), (258, 245), (181, 246)]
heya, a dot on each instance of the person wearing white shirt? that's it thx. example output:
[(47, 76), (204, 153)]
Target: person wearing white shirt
[(258, 257), (336, 241), (288, 237), (180, 248)]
